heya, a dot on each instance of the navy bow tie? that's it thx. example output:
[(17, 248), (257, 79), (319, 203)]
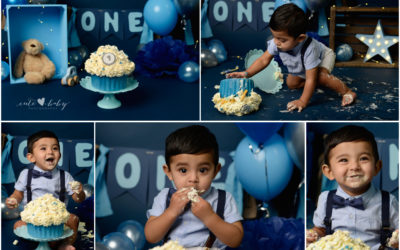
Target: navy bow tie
[(290, 52), (37, 174), (339, 202)]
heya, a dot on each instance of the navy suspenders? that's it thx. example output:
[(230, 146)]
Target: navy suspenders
[(220, 212), (385, 228), (328, 212), (29, 184), (303, 50)]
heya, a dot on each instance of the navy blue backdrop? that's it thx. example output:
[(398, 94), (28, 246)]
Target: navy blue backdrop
[(77, 145)]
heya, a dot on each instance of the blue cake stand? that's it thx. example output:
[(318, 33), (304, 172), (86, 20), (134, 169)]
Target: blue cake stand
[(265, 79), (22, 232), (109, 101)]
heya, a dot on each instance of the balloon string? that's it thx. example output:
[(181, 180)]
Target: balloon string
[(187, 28), (256, 151), (266, 174)]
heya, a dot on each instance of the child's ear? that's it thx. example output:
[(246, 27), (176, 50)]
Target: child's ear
[(301, 37), (217, 169), (30, 157), (326, 170), (167, 171), (378, 167)]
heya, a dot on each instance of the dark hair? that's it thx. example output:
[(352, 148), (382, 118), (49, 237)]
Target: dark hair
[(39, 135), (191, 140), (290, 18), (349, 133)]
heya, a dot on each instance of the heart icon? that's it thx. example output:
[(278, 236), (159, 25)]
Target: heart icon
[(40, 101)]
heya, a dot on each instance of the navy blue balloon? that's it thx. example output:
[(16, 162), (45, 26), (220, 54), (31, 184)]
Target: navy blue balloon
[(117, 241), (294, 140), (160, 16), (344, 52), (5, 70), (74, 58), (265, 171), (259, 132), (189, 71), (218, 49), (134, 231)]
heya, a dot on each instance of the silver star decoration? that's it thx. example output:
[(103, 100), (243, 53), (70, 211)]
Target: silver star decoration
[(378, 43)]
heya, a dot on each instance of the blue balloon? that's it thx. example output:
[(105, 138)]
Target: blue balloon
[(74, 58), (5, 70), (160, 16), (300, 3), (344, 52), (263, 172), (259, 132), (294, 140), (218, 49), (189, 71), (134, 231), (117, 241)]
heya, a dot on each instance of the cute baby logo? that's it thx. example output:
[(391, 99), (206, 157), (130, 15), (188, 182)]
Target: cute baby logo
[(43, 103)]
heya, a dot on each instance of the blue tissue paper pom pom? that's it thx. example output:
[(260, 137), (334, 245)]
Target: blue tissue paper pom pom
[(162, 57), (273, 233)]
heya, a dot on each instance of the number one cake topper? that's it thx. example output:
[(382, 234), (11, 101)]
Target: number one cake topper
[(109, 58)]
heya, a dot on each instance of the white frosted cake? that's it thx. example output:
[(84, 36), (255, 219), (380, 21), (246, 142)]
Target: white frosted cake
[(45, 217), (338, 240), (239, 104), (170, 245), (109, 68)]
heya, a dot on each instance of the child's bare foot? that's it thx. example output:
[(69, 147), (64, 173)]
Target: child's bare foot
[(348, 98)]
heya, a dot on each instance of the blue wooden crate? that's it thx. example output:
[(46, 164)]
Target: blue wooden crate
[(46, 23)]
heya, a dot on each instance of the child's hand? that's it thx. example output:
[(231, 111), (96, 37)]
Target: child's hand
[(236, 75), (11, 202), (202, 209), (178, 201), (76, 187), (296, 104), (311, 236), (393, 242)]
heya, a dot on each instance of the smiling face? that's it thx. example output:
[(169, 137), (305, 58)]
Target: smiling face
[(192, 170), (284, 41), (353, 166), (45, 153)]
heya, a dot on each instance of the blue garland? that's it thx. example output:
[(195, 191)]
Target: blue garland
[(162, 57)]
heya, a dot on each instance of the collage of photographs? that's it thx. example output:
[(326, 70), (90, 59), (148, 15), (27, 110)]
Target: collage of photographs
[(199, 124)]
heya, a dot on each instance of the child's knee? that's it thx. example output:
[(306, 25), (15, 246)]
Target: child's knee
[(294, 83)]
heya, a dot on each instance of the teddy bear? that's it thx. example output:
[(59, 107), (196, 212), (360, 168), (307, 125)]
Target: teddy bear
[(36, 65)]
